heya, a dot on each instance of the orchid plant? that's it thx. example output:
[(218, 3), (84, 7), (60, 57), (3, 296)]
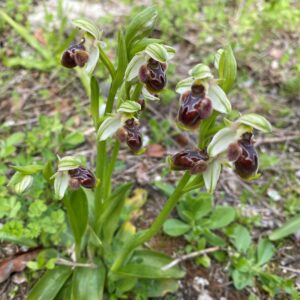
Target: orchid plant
[(108, 260)]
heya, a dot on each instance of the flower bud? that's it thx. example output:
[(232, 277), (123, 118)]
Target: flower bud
[(82, 176), (142, 104), (194, 107), (153, 75), (247, 164), (75, 55), (134, 137), (193, 160)]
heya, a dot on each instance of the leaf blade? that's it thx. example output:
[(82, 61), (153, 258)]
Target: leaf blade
[(50, 284)]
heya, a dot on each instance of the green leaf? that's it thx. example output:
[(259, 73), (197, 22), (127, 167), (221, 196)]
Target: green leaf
[(219, 99), (221, 140), (184, 85), (148, 264), (88, 26), (200, 71), (65, 292), (157, 288), (77, 210), (221, 216), (194, 208), (141, 25), (129, 106), (196, 183), (166, 188), (111, 217), (94, 99), (227, 69), (174, 227), (124, 285), (241, 238), (108, 128), (213, 239), (217, 58), (211, 175), (48, 171), (90, 196), (119, 76), (94, 239), (142, 45), (15, 139), (242, 280), (157, 52), (265, 251), (88, 283), (256, 121), (29, 38), (17, 240), (29, 63), (288, 228), (50, 284), (73, 139)]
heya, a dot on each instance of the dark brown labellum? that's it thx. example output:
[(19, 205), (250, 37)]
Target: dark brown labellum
[(75, 55), (153, 74), (84, 176), (247, 164), (199, 167), (74, 183), (134, 137), (198, 90), (194, 107), (234, 151), (193, 160), (121, 135)]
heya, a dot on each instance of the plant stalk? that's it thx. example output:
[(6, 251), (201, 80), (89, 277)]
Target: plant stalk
[(146, 235), (110, 169), (107, 62)]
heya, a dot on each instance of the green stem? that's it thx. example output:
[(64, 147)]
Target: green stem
[(111, 96), (110, 169), (142, 237), (137, 91), (100, 166), (204, 127), (107, 62)]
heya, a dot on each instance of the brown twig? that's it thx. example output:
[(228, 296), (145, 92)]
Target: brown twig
[(64, 262), (189, 256)]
